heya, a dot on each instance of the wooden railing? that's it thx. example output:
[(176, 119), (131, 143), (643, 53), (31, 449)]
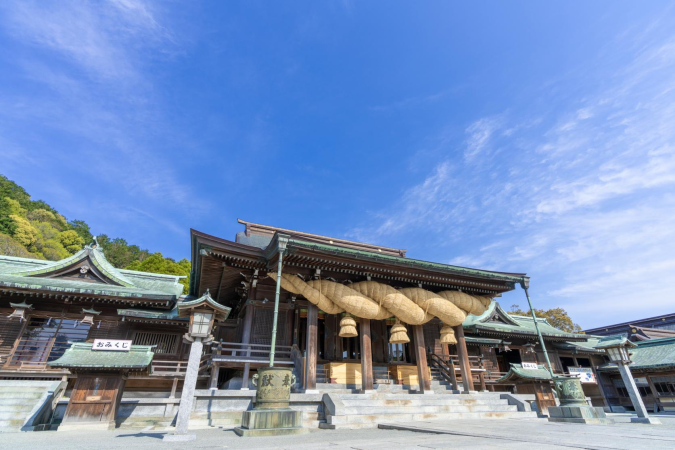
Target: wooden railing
[(449, 369), (173, 368), (251, 353)]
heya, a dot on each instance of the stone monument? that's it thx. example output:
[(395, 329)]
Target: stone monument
[(573, 407)]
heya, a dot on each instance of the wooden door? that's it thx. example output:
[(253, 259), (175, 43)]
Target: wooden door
[(543, 393), (94, 398)]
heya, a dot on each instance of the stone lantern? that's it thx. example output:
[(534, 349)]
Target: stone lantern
[(617, 350), (203, 313)]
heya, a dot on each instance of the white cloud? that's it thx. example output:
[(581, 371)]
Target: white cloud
[(582, 197)]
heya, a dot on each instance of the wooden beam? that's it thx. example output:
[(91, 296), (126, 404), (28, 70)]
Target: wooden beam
[(463, 356), (421, 357), (312, 347), (366, 357)]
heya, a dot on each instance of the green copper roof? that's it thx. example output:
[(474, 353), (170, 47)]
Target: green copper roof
[(222, 312), (587, 346), (617, 340), (80, 355), (496, 320), (152, 314), (483, 341), (409, 262), (649, 355), (24, 273), (517, 374)]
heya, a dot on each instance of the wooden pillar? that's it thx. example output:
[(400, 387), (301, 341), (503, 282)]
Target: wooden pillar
[(215, 372), (421, 358), (366, 357), (463, 356), (246, 339), (312, 347), (655, 393)]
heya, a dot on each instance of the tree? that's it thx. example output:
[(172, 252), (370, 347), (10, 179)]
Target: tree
[(556, 317), (10, 247), (25, 234), (156, 263), (119, 253), (71, 241), (82, 229)]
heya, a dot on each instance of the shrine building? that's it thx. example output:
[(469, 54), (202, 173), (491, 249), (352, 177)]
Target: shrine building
[(356, 322)]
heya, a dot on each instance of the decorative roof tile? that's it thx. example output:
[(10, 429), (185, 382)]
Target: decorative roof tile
[(81, 356)]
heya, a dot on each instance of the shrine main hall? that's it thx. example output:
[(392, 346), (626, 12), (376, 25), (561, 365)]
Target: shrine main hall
[(363, 327)]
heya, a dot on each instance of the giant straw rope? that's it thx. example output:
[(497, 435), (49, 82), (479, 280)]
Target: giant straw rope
[(373, 300)]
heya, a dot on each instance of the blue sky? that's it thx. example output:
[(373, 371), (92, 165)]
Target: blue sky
[(517, 136)]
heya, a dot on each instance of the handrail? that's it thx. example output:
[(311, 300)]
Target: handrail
[(446, 368)]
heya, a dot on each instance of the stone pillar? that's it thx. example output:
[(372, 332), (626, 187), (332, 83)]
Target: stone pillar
[(366, 358), (636, 400), (213, 381), (246, 339), (421, 357), (188, 394), (312, 348), (463, 356)]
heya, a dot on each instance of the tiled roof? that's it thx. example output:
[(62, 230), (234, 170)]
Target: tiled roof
[(406, 262), (80, 355), (650, 355), (24, 273), (517, 374), (510, 324)]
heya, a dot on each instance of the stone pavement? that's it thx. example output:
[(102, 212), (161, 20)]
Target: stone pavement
[(461, 434)]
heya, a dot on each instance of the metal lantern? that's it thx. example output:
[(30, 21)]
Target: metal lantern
[(529, 348), (19, 311), (89, 316)]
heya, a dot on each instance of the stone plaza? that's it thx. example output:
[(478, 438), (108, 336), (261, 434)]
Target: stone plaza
[(501, 433)]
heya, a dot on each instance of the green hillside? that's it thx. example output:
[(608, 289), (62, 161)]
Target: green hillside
[(33, 229)]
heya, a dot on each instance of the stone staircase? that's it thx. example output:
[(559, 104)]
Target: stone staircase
[(350, 411), (27, 405), (321, 376), (438, 383)]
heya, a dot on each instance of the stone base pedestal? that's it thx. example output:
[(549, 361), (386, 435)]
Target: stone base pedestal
[(271, 422), (578, 414)]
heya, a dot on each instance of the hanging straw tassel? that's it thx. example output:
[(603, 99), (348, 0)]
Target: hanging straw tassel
[(399, 334), (348, 327), (448, 335)]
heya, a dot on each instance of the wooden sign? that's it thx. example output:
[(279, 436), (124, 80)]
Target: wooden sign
[(111, 345), (530, 366)]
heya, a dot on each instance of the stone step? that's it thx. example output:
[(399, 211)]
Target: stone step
[(431, 400), (408, 396), (15, 424), (15, 408), (21, 394), (17, 401), (433, 409), (371, 421), (15, 415)]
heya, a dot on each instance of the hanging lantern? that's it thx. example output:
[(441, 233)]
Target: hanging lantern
[(89, 316), (19, 310), (399, 334), (348, 327), (448, 335)]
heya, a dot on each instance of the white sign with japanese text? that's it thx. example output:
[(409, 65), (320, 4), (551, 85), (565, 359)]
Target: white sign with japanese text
[(585, 373), (530, 366), (111, 345)]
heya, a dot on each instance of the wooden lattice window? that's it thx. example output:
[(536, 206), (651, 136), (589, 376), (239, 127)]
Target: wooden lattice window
[(167, 343), (9, 332)]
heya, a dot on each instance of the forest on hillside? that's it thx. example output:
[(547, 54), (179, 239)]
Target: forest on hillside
[(33, 229)]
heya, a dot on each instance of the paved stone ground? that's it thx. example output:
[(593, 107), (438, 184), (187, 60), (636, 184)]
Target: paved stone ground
[(463, 434)]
